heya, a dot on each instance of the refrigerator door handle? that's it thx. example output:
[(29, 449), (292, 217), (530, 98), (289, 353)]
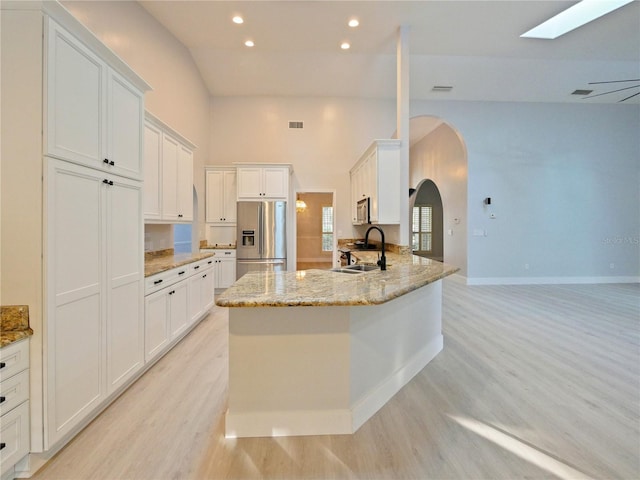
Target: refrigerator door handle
[(260, 228)]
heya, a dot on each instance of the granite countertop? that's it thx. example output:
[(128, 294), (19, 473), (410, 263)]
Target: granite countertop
[(162, 263), (14, 324), (404, 274)]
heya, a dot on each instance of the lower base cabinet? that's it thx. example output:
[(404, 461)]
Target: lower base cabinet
[(14, 405), (174, 301)]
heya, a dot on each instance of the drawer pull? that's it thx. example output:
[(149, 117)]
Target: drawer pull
[(2, 445), (210, 262), (181, 273), (157, 282), (196, 267), (2, 399), (2, 364)]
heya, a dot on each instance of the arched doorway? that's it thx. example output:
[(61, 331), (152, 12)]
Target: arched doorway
[(438, 163), (427, 232)]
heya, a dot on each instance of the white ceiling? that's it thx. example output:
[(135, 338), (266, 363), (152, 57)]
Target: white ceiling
[(474, 46)]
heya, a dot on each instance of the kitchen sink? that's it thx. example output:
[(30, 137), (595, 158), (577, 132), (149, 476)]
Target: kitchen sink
[(355, 269), (362, 268)]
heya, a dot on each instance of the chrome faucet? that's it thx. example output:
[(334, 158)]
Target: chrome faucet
[(383, 260)]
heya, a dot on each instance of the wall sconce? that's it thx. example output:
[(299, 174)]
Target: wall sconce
[(487, 201), (301, 206)]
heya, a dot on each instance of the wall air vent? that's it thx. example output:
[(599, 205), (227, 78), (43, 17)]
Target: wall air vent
[(581, 92), (296, 125), (441, 88)]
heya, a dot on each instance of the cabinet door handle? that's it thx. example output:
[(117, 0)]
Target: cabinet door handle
[(106, 160), (105, 181), (2, 399), (172, 292), (157, 282), (180, 215), (2, 445), (111, 162), (2, 364), (110, 182), (204, 276)]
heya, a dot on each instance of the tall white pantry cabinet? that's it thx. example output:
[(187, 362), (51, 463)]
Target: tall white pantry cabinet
[(72, 131)]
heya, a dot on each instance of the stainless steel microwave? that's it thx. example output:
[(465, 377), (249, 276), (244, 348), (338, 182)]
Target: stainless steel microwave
[(363, 210)]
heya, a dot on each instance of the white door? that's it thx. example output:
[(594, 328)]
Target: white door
[(214, 192), (125, 289), (185, 184), (170, 148), (250, 183), (75, 337), (75, 100), (276, 182), (156, 323), (124, 129), (178, 308), (152, 171), (230, 196)]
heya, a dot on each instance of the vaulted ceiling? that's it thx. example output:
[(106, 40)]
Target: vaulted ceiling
[(472, 46)]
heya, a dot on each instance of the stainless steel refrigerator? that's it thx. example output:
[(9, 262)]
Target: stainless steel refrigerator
[(261, 237)]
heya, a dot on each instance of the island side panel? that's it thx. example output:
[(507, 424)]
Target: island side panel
[(288, 371), (390, 344)]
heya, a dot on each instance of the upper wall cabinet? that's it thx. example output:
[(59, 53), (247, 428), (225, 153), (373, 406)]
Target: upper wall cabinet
[(168, 177), (259, 182), (377, 176), (94, 116), (221, 193)]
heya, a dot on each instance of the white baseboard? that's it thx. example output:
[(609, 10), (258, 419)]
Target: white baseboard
[(549, 280), (298, 423)]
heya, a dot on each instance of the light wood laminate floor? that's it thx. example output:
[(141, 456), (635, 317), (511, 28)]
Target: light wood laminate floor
[(533, 382)]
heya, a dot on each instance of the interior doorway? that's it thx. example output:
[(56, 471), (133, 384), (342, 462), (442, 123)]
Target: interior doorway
[(315, 230), (427, 232)]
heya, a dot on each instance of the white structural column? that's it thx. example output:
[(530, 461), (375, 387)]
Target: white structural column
[(402, 127)]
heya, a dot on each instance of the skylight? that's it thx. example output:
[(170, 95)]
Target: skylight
[(573, 17)]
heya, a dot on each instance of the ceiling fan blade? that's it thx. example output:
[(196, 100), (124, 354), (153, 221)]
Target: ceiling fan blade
[(630, 96), (611, 91), (616, 81)]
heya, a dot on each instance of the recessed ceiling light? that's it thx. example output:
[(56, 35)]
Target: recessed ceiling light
[(238, 19), (345, 46), (249, 43), (573, 17), (354, 22)]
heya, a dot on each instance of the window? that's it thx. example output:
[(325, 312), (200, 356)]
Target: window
[(422, 228), (327, 229)]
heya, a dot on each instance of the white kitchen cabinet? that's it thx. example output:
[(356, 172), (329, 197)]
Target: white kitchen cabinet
[(377, 176), (168, 185), (14, 407), (152, 172), (94, 115), (156, 325), (201, 288), (221, 195), (263, 182), (174, 300), (225, 268), (94, 290)]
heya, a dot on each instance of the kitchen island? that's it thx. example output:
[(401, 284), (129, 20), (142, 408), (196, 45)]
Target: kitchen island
[(345, 344)]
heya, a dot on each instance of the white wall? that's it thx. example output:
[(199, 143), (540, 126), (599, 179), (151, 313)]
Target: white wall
[(336, 132), (179, 97), (564, 180), (441, 157)]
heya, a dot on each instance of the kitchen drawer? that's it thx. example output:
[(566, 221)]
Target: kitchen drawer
[(159, 281), (221, 254), (14, 436), (14, 391), (201, 265), (14, 358)]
